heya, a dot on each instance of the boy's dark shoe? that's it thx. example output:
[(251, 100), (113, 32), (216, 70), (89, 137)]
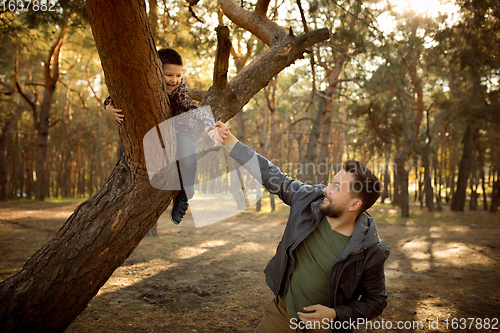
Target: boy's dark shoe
[(179, 208)]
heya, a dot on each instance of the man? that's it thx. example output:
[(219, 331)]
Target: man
[(328, 271)]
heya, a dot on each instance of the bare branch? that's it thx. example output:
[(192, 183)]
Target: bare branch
[(55, 71), (191, 10), (10, 90), (48, 62), (30, 101), (313, 71), (355, 80), (197, 94), (98, 98), (302, 16), (259, 72), (319, 93), (300, 120)]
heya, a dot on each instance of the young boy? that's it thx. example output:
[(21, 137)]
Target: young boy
[(180, 101)]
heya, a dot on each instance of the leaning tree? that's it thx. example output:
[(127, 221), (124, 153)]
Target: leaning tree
[(59, 280)]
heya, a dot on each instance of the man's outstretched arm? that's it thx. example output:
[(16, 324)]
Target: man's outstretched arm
[(275, 181)]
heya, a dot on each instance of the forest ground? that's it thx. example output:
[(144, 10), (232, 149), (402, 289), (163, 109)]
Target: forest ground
[(210, 279)]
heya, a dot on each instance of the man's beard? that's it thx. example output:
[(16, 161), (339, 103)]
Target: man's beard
[(330, 210)]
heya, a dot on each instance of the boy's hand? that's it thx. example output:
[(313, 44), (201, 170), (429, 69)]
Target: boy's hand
[(228, 136), (116, 114), (219, 133)]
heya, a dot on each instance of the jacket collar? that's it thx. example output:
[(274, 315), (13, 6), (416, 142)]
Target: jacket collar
[(365, 232)]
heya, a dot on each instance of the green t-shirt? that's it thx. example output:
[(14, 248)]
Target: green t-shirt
[(314, 259)]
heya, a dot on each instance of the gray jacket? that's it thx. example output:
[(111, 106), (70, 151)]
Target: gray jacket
[(357, 280)]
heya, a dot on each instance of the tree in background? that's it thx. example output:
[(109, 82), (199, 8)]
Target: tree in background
[(471, 45)]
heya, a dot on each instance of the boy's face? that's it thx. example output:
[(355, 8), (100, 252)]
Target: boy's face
[(172, 75)]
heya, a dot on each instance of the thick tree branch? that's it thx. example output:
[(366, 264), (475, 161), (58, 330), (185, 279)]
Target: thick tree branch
[(262, 6), (222, 58), (48, 62), (142, 66), (260, 71), (55, 71), (8, 92), (302, 16), (255, 22), (197, 94), (30, 101)]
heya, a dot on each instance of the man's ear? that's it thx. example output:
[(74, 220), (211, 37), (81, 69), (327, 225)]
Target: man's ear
[(355, 205)]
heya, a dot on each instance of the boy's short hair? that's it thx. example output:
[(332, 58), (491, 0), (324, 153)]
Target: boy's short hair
[(365, 186), (170, 56)]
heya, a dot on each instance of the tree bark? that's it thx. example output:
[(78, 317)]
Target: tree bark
[(473, 185), (404, 202), (51, 74), (240, 61), (324, 158), (429, 192), (495, 195), (57, 283), (312, 144), (458, 200), (387, 177), (4, 192)]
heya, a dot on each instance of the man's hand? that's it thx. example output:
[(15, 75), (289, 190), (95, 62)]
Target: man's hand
[(228, 136), (116, 114), (219, 133), (317, 313)]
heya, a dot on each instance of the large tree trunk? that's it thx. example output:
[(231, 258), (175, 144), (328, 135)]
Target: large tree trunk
[(404, 199), (310, 157), (323, 164), (429, 192), (4, 193), (473, 185), (57, 283), (51, 74), (495, 195), (458, 200), (402, 176), (387, 177)]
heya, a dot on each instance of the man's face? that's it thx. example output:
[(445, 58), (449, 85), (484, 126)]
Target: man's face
[(337, 195), (172, 75)]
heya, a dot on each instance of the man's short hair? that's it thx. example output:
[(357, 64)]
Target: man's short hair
[(170, 56), (365, 186)]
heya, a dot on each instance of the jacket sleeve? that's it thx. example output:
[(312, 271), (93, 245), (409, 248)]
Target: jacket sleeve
[(268, 174), (107, 101), (181, 100), (181, 103), (371, 287)]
